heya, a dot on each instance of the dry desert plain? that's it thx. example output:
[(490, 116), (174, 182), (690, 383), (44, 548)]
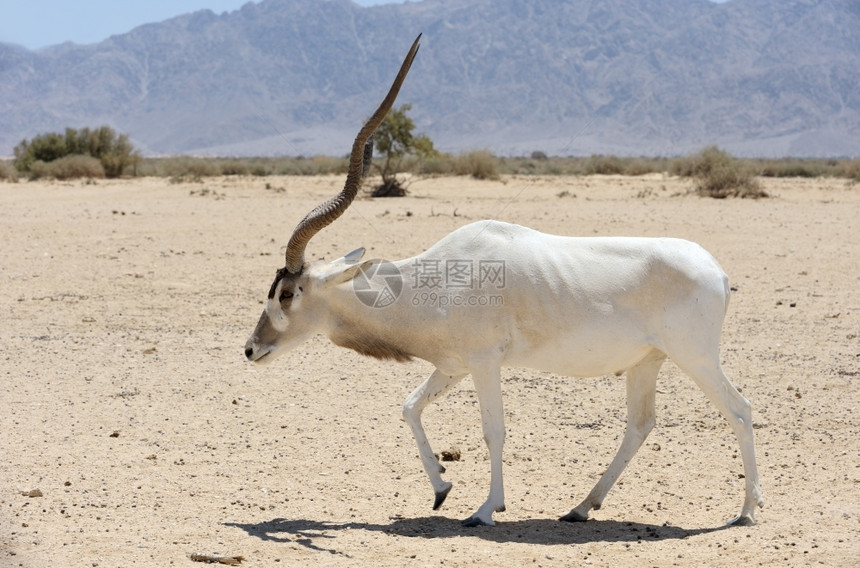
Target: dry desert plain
[(134, 433)]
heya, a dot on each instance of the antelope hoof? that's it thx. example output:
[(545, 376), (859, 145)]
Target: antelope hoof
[(574, 517), (742, 521), (475, 521), (440, 496)]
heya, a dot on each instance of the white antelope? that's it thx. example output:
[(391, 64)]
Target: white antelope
[(493, 294)]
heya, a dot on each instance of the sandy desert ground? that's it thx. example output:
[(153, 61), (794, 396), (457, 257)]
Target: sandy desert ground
[(134, 433)]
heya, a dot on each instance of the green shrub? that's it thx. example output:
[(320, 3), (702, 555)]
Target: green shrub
[(234, 167), (68, 167), (480, 164), (114, 152), (259, 170), (790, 167), (603, 165), (722, 182), (719, 175), (849, 169), (641, 166), (8, 171), (181, 167), (524, 167), (330, 165), (291, 167), (438, 165), (45, 148), (313, 166), (687, 166)]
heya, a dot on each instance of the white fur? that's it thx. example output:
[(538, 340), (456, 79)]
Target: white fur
[(572, 306), (276, 314)]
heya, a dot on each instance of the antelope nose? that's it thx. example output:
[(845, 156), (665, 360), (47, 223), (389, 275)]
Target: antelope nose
[(249, 351)]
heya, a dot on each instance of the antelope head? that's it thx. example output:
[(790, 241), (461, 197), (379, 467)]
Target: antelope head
[(295, 303)]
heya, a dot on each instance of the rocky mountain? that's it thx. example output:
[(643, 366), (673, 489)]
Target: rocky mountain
[(641, 77)]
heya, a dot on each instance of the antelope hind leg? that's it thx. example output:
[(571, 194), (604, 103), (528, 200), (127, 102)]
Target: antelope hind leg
[(738, 412), (641, 390)]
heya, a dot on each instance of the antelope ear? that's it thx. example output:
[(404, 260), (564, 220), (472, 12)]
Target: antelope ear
[(354, 256), (339, 273), (350, 258)]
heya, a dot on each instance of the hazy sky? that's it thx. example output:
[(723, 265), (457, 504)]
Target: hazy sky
[(40, 23)]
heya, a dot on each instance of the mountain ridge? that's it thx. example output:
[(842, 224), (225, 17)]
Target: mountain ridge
[(639, 77)]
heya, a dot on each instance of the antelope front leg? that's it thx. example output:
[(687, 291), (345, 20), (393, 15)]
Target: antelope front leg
[(489, 388), (432, 388)]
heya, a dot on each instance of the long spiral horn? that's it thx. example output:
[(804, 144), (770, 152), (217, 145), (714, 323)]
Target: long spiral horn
[(325, 213)]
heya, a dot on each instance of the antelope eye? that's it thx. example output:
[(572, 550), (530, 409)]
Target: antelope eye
[(285, 295)]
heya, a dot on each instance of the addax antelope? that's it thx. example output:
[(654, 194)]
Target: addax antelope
[(514, 297)]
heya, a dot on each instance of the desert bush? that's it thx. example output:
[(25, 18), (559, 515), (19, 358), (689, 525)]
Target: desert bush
[(849, 169), (259, 169), (603, 165), (439, 165), (68, 167), (293, 167), (719, 175), (114, 152), (240, 166), (524, 167), (184, 167), (330, 165), (480, 164), (188, 167), (8, 171), (642, 166), (790, 167), (574, 166), (313, 166), (683, 166), (233, 167), (45, 148), (722, 182), (486, 164)]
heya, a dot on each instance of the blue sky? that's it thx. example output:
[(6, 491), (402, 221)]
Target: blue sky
[(40, 23)]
